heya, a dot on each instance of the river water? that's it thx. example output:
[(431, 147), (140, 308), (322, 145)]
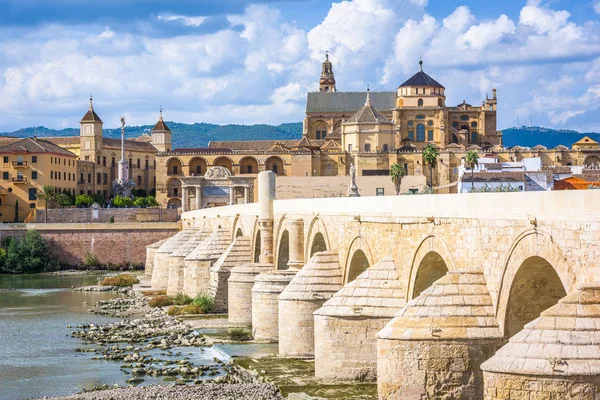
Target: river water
[(37, 356)]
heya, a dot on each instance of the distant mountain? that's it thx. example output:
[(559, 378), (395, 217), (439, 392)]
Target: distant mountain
[(184, 135), (530, 136), (199, 134)]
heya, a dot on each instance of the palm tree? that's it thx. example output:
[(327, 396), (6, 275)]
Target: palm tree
[(430, 156), (397, 172), (48, 194), (471, 160)]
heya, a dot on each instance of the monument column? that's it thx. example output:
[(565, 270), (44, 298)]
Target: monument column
[(266, 195), (246, 195), (198, 197), (296, 231), (231, 195), (184, 199)]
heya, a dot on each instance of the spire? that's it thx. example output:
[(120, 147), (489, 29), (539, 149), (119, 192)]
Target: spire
[(421, 65), (368, 101), (91, 105), (327, 81), (160, 125), (91, 115), (161, 113)]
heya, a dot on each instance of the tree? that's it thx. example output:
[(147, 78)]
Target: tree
[(430, 156), (48, 195), (120, 201), (397, 172), (27, 255), (140, 202), (64, 200), (152, 201), (83, 200), (471, 160)]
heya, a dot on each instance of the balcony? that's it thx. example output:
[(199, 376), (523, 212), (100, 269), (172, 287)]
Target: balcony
[(20, 179), (20, 164)]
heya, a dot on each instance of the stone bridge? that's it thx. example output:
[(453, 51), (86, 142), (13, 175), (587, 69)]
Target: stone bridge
[(421, 293)]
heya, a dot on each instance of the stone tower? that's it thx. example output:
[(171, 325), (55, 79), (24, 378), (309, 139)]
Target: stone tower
[(90, 134), (327, 81), (161, 135)]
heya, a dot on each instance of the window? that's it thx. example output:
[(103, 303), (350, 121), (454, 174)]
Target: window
[(98, 178), (33, 174), (474, 124), (420, 117), (411, 136), (406, 168), (175, 170), (248, 169), (89, 192), (455, 125), (474, 137), (87, 158), (464, 117), (380, 191), (104, 179), (175, 192), (51, 174), (69, 176), (420, 103), (154, 164), (130, 163), (368, 147), (31, 205), (5, 159), (410, 123), (139, 180), (430, 123), (64, 176), (199, 169), (89, 178), (147, 164), (274, 168), (420, 133), (81, 178), (98, 160), (430, 136), (32, 194), (113, 161), (33, 159), (138, 163), (104, 161), (385, 148), (5, 175), (321, 132)]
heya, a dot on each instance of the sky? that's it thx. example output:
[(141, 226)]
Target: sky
[(248, 62)]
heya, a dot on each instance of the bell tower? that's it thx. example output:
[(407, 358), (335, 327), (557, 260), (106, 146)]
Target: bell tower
[(161, 135), (327, 81), (90, 133)]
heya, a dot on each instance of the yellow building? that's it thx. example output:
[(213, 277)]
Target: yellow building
[(99, 156), (28, 165)]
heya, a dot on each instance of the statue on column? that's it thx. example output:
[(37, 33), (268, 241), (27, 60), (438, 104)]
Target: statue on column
[(123, 185), (353, 189)]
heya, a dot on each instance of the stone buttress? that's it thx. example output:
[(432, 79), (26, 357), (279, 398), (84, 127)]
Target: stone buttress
[(312, 286), (265, 304), (160, 272), (239, 285), (150, 251), (237, 253), (177, 262), (556, 356), (434, 346), (199, 262), (347, 324)]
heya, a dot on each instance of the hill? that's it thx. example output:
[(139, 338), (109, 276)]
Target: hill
[(199, 134)]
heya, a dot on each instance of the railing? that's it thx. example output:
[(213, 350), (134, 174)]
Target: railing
[(22, 179), (20, 164)]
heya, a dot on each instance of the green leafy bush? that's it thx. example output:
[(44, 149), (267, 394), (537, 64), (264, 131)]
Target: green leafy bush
[(90, 260), (123, 280), (120, 201), (160, 301), (84, 200), (182, 299), (204, 302), (111, 220), (151, 201), (140, 202), (26, 255), (64, 200), (238, 334)]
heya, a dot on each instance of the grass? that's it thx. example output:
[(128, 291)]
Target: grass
[(182, 299), (201, 304), (123, 280), (160, 301), (238, 335)]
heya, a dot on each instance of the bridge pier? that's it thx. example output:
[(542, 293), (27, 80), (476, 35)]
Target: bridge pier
[(150, 252), (240, 286), (556, 356), (311, 287), (177, 263), (434, 346), (296, 232), (347, 324), (160, 272), (265, 309), (201, 259)]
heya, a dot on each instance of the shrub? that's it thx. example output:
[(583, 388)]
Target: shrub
[(182, 299), (111, 220), (140, 202), (123, 280), (84, 200), (120, 201), (151, 201), (174, 311), (204, 302), (26, 255), (160, 301), (151, 293), (90, 260), (238, 334)]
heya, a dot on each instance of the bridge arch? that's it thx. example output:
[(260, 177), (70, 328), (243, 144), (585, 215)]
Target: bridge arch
[(237, 228), (282, 245), (256, 247), (318, 240), (358, 259), (432, 260), (535, 276)]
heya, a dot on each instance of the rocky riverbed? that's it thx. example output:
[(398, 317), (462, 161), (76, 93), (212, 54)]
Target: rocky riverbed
[(151, 344)]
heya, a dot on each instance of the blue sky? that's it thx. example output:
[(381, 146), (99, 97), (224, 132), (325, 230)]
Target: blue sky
[(240, 61)]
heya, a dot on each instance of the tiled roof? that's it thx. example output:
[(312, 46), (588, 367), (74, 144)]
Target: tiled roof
[(348, 102), (161, 126), (212, 247), (421, 79), (130, 145), (200, 150), (318, 280), (91, 116), (143, 138), (264, 145), (368, 114), (64, 140), (29, 145)]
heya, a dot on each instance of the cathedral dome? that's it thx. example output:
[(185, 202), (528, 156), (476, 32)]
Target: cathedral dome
[(421, 79)]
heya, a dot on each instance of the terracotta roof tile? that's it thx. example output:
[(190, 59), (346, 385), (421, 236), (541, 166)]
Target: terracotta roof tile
[(29, 145)]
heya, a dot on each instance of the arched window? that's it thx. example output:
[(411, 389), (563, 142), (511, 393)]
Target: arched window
[(420, 133), (420, 103), (420, 117), (474, 124), (440, 103)]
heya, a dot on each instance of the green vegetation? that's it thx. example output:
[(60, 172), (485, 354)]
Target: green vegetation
[(91, 260), (397, 172), (48, 195), (120, 201), (84, 200), (122, 280), (182, 299), (471, 161), (26, 255), (430, 156), (160, 301), (201, 304), (238, 335), (141, 202)]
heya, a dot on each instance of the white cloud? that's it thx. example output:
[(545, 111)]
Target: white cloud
[(543, 20), (185, 20), (597, 7)]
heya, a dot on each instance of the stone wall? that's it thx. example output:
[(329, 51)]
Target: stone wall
[(117, 244), (510, 387), (121, 215)]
